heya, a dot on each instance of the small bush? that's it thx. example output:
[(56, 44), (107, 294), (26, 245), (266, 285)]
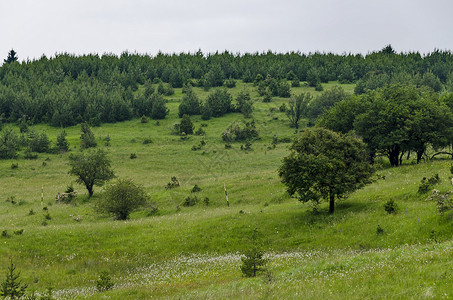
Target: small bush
[(190, 201), (427, 184), (104, 282), (133, 156), (240, 132), (19, 231), (200, 131), (391, 207), (147, 141), (253, 262), (5, 234), (206, 201), (174, 183), (379, 230), (31, 212), (443, 201), (14, 166), (144, 119), (196, 189)]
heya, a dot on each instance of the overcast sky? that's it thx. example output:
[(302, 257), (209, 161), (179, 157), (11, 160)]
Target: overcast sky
[(33, 28)]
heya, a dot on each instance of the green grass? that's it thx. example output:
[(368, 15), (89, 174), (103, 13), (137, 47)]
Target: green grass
[(194, 252)]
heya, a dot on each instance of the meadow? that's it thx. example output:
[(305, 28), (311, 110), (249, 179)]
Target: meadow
[(194, 252)]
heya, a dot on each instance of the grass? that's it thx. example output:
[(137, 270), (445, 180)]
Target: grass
[(194, 252)]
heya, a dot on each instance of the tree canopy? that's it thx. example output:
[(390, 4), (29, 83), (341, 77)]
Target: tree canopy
[(325, 165), (91, 168)]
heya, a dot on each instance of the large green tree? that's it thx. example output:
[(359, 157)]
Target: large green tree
[(91, 168), (325, 165)]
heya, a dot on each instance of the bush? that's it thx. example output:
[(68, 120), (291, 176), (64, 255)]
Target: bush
[(87, 136), (38, 142), (104, 282), (443, 201), (186, 126), (427, 184), (62, 144), (122, 198), (230, 83), (174, 183), (144, 119), (190, 201), (253, 261), (240, 132), (196, 189), (391, 207), (190, 104)]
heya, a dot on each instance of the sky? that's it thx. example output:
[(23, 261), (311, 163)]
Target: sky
[(48, 27)]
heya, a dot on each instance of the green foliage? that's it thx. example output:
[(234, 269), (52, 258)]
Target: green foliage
[(297, 108), (9, 144), (186, 126), (38, 142), (391, 207), (253, 262), (240, 131), (244, 104), (443, 201), (104, 282), (144, 119), (91, 168), (325, 101), (62, 143), (12, 286), (427, 184), (159, 108), (174, 183), (12, 57), (190, 104), (219, 103), (122, 198), (190, 201), (196, 189), (325, 165), (230, 83), (87, 136)]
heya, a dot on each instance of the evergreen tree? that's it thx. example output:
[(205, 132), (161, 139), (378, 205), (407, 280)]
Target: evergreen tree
[(87, 136), (12, 287), (62, 143), (186, 125), (12, 57)]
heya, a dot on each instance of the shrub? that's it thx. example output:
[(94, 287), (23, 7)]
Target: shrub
[(87, 136), (379, 230), (427, 184), (173, 183), (190, 201), (229, 83), (253, 261), (147, 141), (104, 282), (219, 103), (391, 207), (186, 126), (14, 166), (240, 132), (159, 108), (443, 201), (133, 156), (190, 104), (200, 131), (144, 119), (196, 189), (122, 198), (62, 144), (38, 142), (9, 144)]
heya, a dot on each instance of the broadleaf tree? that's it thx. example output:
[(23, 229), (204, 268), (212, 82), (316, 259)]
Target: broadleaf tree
[(91, 168), (325, 165)]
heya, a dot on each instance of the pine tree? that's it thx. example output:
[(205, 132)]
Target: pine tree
[(12, 287), (12, 57), (87, 136), (62, 142)]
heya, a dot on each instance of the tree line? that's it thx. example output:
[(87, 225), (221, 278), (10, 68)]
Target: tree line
[(66, 89)]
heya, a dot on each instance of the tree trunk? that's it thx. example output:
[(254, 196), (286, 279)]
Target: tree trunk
[(331, 203), (90, 190)]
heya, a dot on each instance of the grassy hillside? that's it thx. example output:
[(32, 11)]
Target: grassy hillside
[(194, 252)]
